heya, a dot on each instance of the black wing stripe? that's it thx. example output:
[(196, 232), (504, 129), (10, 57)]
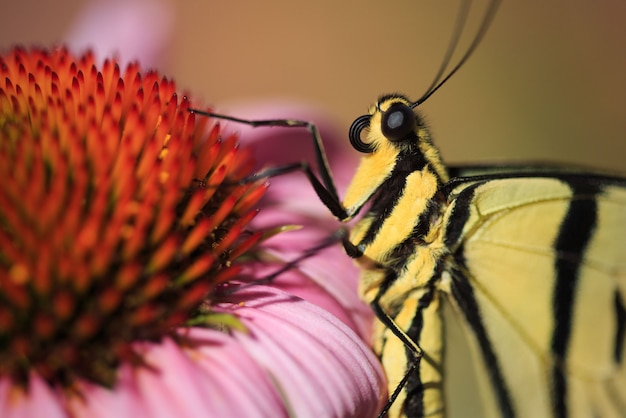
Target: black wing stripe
[(459, 216), (463, 293), (574, 235)]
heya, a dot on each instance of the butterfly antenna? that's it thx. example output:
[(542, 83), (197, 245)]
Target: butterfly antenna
[(482, 30), (454, 42)]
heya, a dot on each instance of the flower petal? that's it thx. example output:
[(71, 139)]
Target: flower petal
[(216, 378), (133, 30), (329, 279), (322, 367), (40, 401)]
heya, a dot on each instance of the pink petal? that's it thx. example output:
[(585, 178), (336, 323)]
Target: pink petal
[(329, 279), (218, 378), (323, 368), (128, 29), (41, 401)]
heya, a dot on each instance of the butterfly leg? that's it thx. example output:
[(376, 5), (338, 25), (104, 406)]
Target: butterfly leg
[(325, 188), (411, 350)]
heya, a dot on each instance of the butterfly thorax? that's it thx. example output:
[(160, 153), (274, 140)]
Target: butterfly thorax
[(400, 235)]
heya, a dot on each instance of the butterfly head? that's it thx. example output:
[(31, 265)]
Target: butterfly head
[(394, 143), (391, 122)]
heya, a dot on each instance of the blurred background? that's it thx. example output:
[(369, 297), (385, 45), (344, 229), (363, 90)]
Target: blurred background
[(547, 83)]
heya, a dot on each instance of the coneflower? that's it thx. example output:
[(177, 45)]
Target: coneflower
[(122, 219)]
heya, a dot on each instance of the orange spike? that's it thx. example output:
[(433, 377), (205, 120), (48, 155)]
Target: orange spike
[(223, 211), (143, 315), (6, 320), (214, 180), (196, 202), (44, 325), (127, 276), (164, 222), (85, 326), (194, 294), (42, 280), (63, 304), (109, 300), (228, 274), (251, 198), (154, 286), (243, 246), (234, 232), (199, 234), (163, 255), (200, 266)]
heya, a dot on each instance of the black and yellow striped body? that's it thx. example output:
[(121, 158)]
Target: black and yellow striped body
[(532, 261)]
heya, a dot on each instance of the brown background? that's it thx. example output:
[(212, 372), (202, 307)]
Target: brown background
[(548, 82)]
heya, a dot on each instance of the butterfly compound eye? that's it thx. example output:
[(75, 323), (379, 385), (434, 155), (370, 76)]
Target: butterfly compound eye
[(398, 122), (356, 130)]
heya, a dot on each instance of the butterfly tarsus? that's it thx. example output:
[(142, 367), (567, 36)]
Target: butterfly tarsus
[(412, 369), (353, 251)]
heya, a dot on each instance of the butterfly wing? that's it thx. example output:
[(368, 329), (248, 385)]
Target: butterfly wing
[(538, 273)]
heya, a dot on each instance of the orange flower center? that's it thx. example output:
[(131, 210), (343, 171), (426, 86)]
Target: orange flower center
[(109, 233)]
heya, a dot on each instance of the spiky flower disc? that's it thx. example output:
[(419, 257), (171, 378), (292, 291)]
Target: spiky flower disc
[(111, 227)]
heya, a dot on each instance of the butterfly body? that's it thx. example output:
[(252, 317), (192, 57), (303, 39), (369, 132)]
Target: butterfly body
[(529, 259)]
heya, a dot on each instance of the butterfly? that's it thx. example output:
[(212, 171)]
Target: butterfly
[(527, 260)]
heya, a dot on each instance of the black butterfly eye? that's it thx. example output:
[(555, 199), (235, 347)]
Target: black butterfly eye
[(361, 123), (398, 122)]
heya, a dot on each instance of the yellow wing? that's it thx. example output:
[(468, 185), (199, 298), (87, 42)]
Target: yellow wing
[(538, 274)]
